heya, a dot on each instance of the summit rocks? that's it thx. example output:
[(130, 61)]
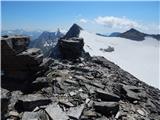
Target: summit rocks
[(73, 93), (90, 88)]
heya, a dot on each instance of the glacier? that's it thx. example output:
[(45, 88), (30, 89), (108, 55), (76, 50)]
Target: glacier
[(140, 58)]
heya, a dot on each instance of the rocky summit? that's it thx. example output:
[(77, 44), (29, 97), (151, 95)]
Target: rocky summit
[(81, 88)]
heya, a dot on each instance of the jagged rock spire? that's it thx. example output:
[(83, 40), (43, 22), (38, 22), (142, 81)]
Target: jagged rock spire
[(73, 31)]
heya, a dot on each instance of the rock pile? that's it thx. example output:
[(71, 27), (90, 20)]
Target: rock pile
[(94, 89), (90, 88), (20, 63)]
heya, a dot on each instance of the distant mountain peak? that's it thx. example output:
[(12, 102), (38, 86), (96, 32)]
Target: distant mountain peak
[(73, 31), (134, 34), (76, 26), (133, 30)]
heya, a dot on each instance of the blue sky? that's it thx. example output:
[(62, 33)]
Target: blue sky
[(97, 16)]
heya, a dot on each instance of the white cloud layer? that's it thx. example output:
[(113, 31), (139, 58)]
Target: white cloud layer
[(120, 24), (83, 21), (117, 22)]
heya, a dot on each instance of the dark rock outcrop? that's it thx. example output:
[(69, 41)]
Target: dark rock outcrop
[(20, 64), (71, 48)]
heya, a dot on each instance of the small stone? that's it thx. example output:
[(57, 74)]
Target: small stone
[(135, 102), (83, 96), (141, 112), (66, 104), (117, 115), (80, 90), (87, 101), (72, 93), (14, 113), (90, 113), (72, 82)]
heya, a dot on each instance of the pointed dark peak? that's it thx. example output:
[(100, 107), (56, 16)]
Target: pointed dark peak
[(74, 31), (75, 26), (133, 30)]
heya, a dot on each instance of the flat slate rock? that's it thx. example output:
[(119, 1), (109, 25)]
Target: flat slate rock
[(132, 92), (75, 112), (106, 96), (31, 101), (40, 115), (56, 113)]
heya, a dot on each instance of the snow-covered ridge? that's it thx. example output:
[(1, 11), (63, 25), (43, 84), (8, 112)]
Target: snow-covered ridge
[(140, 58)]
